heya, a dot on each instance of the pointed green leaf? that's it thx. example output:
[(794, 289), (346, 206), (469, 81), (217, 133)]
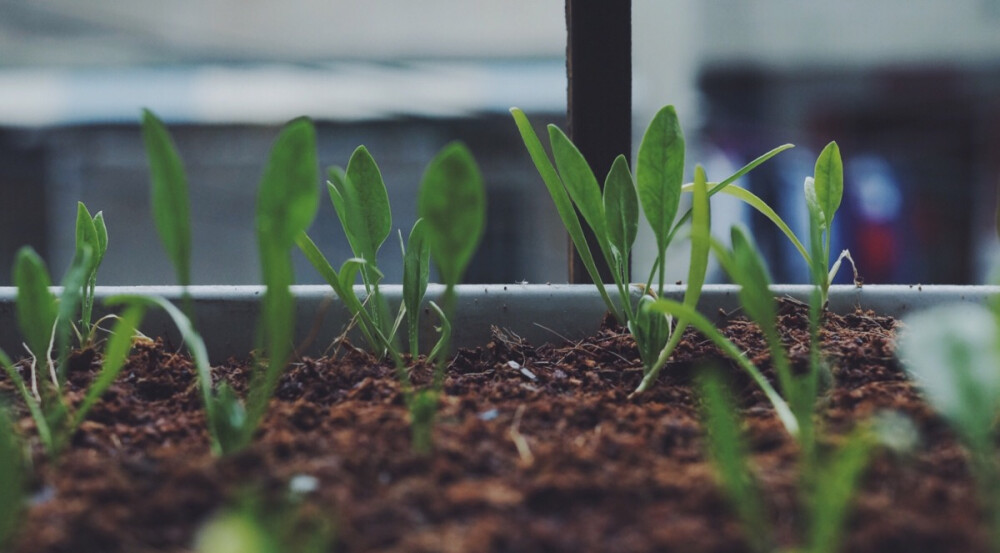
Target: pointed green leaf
[(831, 500), (752, 275), (660, 173), (701, 228), (580, 182), (86, 233), (416, 273), (169, 195), (452, 202), (727, 450), (371, 218), (102, 236), (287, 200), (650, 329), (36, 306), (621, 208), (562, 202), (829, 177)]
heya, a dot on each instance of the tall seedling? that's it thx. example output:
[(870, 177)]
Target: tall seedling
[(169, 199), (286, 205), (613, 217), (452, 204)]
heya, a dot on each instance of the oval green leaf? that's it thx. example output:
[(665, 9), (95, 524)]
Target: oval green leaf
[(452, 202), (621, 209), (660, 173), (580, 182), (370, 217), (36, 306)]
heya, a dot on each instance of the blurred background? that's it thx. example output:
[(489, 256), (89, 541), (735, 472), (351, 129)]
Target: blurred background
[(910, 89)]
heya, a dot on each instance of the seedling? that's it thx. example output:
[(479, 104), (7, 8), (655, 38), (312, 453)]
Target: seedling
[(452, 202), (823, 193), (55, 419), (169, 199), (92, 234), (826, 497), (613, 218), (361, 201), (953, 351)]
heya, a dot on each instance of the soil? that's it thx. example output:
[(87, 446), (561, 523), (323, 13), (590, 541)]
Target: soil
[(536, 449)]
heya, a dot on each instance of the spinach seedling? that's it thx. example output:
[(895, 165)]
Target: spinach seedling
[(613, 218), (361, 201), (54, 419), (287, 201), (169, 200), (823, 193), (826, 498), (92, 234), (953, 352), (452, 204)]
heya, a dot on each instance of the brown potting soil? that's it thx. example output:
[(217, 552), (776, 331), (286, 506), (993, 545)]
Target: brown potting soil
[(535, 449)]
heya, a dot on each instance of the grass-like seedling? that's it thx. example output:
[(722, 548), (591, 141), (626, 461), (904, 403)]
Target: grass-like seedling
[(953, 352), (824, 192), (825, 493), (92, 234), (55, 419), (169, 199), (286, 205), (613, 218)]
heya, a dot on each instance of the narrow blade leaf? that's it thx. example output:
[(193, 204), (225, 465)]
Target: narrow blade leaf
[(36, 306), (169, 195), (580, 182)]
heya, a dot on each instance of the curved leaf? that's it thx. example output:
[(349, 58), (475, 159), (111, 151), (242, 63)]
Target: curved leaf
[(562, 202), (287, 200), (829, 176), (36, 306), (580, 183), (416, 273), (169, 195)]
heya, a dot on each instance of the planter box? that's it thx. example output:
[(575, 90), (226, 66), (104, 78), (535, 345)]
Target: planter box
[(539, 313)]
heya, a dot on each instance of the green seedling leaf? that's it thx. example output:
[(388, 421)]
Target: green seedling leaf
[(36, 306), (621, 208), (115, 354), (12, 480), (819, 254), (755, 202), (707, 329), (660, 173), (102, 236), (41, 421), (169, 195), (229, 423), (370, 216), (728, 453), (416, 273), (86, 235), (287, 200), (74, 284), (834, 491), (714, 188), (286, 205), (580, 183), (747, 269), (829, 184), (452, 203), (951, 351), (563, 205), (697, 268), (651, 330)]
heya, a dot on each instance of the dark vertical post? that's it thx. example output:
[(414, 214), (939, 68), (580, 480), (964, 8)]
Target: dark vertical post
[(599, 104)]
